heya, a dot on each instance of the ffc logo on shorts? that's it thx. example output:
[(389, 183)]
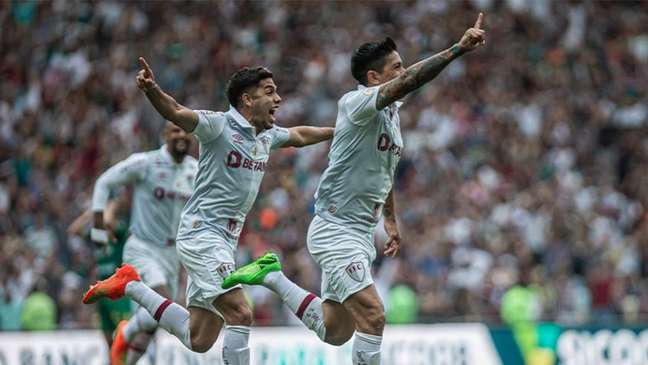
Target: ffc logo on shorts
[(225, 269), (356, 271)]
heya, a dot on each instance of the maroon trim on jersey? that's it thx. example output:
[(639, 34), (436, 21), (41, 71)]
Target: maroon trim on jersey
[(161, 309), (304, 304)]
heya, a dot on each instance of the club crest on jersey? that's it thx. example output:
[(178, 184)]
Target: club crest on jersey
[(225, 269), (356, 271), (265, 140), (237, 138)]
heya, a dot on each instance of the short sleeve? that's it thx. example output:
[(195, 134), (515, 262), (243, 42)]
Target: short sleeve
[(360, 105), (210, 125), (279, 137)]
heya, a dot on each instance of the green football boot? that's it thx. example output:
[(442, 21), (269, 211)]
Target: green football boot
[(254, 272)]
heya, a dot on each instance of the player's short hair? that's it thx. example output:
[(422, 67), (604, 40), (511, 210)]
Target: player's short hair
[(242, 80), (370, 56)]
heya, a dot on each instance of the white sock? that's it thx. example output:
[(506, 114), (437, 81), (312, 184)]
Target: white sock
[(235, 345), (306, 306), (141, 321), (170, 316), (366, 349)]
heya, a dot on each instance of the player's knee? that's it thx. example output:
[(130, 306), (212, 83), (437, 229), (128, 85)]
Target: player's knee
[(200, 343), (239, 315)]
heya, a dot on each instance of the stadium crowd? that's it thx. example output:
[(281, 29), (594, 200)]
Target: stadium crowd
[(525, 162)]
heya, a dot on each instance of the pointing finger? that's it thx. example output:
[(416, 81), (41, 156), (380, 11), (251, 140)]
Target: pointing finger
[(480, 19), (145, 65)]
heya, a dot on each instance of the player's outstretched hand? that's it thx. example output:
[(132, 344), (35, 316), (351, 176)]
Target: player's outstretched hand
[(392, 246), (474, 37), (145, 78)]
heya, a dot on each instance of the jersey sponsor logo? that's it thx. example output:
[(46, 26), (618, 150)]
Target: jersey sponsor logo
[(237, 138), (385, 144), (235, 160), (356, 271), (159, 193), (225, 269)]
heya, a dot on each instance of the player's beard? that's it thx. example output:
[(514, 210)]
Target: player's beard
[(180, 147)]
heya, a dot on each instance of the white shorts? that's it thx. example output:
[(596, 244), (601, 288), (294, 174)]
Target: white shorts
[(209, 259), (157, 265), (344, 255)]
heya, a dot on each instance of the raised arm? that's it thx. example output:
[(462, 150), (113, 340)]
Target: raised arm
[(166, 105), (304, 136), (422, 72)]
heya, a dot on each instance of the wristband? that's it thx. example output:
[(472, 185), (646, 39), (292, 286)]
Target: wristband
[(99, 235)]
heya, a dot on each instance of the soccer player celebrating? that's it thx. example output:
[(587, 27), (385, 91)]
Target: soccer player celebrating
[(163, 181), (353, 191), (234, 151)]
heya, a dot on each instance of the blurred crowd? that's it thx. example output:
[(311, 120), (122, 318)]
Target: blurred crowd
[(525, 162)]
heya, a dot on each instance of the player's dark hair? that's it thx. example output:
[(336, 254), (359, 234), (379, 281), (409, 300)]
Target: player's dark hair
[(370, 56), (242, 80)]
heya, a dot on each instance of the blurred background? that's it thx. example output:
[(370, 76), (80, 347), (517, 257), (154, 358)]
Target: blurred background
[(523, 183)]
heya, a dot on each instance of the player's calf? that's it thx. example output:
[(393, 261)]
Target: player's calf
[(367, 310), (339, 324), (204, 328), (238, 317)]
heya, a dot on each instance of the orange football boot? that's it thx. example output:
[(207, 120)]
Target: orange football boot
[(119, 348), (113, 287)]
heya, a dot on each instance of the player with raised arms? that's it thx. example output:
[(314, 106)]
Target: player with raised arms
[(353, 191), (234, 151)]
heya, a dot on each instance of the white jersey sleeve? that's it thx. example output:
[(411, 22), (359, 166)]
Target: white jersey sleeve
[(279, 137), (125, 172), (210, 125), (360, 105)]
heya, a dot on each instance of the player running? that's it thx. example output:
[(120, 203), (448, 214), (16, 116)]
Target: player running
[(234, 150), (355, 188), (163, 180)]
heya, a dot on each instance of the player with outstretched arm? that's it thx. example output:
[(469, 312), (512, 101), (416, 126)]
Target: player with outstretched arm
[(355, 189), (234, 151)]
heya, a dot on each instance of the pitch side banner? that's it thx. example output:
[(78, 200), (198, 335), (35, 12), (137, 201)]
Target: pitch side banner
[(443, 344)]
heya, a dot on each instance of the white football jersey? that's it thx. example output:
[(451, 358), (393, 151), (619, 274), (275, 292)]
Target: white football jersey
[(161, 189), (232, 162), (366, 149)]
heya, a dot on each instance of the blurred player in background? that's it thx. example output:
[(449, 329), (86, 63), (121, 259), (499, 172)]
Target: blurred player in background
[(354, 190), (234, 151), (163, 182), (108, 259)]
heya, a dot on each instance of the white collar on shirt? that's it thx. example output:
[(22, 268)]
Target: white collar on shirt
[(239, 118), (396, 103)]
